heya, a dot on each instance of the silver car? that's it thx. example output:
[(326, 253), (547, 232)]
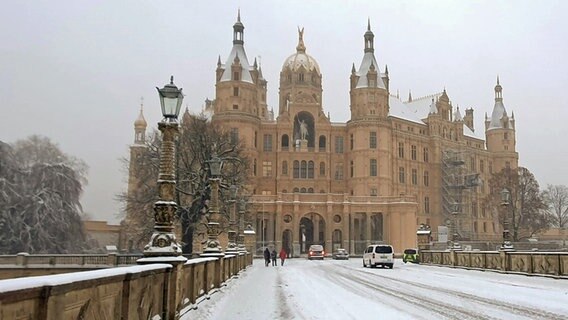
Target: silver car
[(316, 252)]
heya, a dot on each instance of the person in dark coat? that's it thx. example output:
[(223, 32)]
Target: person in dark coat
[(273, 256), (266, 257)]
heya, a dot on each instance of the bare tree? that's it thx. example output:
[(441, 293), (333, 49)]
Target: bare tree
[(198, 140), (526, 210), (40, 187), (556, 197)]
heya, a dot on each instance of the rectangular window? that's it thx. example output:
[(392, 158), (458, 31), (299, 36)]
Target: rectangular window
[(338, 144), (413, 153), (472, 163), (352, 168), (373, 192), (481, 166), (236, 91), (234, 135), (474, 209), (426, 179), (267, 142), (267, 169), (425, 154), (426, 205), (414, 177), (401, 175), (373, 167), (352, 141), (401, 149), (339, 171), (373, 140), (235, 107)]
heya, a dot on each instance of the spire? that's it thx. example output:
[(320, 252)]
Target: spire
[(219, 61), (301, 47), (255, 65), (498, 91), (238, 30), (433, 108), (369, 36), (457, 115), (409, 96), (386, 69), (353, 68)]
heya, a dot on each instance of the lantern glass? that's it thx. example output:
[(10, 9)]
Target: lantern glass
[(171, 99), (234, 189), (505, 195), (215, 166)]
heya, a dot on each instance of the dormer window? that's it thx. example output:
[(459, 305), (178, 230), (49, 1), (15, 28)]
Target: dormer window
[(372, 83)]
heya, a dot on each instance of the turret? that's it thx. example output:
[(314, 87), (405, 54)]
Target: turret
[(140, 127)]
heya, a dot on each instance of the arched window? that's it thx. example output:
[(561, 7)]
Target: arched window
[(285, 168), (322, 168), (303, 190), (310, 190), (296, 190), (285, 142), (322, 144), (310, 170), (304, 169), (296, 169)]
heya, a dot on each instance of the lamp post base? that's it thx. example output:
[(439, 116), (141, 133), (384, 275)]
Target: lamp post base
[(455, 246), (162, 244), (507, 246)]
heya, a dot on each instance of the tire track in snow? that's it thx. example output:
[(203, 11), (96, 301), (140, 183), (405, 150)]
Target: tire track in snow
[(515, 309)]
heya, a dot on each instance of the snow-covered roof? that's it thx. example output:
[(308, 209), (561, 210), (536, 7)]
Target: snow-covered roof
[(457, 115), (401, 111), (421, 107), (238, 51), (368, 60), (468, 133), (498, 112)]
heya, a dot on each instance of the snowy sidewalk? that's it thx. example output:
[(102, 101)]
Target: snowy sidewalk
[(253, 295)]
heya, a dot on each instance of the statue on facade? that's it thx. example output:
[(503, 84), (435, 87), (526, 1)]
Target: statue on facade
[(303, 129)]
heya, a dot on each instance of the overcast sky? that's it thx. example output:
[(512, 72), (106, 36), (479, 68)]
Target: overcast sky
[(74, 71)]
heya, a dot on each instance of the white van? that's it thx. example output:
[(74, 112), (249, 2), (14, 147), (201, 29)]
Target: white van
[(378, 255)]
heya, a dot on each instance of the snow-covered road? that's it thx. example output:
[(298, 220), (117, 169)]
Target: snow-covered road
[(332, 289)]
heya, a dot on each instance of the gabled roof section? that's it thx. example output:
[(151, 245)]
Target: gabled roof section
[(421, 107), (238, 51), (398, 109)]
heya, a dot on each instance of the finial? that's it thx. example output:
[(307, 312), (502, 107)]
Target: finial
[(386, 69), (239, 15), (172, 80), (409, 95), (301, 47), (255, 65), (368, 24), (397, 94), (219, 61), (141, 103), (353, 68), (497, 79)]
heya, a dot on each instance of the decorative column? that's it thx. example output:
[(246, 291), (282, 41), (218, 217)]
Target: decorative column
[(507, 244), (213, 247), (232, 245), (163, 241)]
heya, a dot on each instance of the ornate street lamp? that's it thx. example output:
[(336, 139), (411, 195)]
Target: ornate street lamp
[(212, 247), (454, 244), (241, 229), (507, 245), (163, 241), (232, 245)]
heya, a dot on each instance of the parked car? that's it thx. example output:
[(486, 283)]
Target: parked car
[(379, 255), (340, 254), (410, 255), (316, 252)]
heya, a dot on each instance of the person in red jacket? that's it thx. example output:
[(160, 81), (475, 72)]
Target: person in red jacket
[(282, 256)]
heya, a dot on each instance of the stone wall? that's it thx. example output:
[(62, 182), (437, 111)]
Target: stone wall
[(133, 292), (553, 264)]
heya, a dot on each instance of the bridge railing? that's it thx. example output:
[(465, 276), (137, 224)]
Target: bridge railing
[(553, 264), (151, 291)]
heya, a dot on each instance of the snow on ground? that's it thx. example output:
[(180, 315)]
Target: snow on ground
[(330, 289)]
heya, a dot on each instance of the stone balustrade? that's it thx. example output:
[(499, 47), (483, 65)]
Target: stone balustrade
[(150, 291), (552, 264)]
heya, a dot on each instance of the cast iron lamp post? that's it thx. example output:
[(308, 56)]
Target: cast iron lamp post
[(232, 245), (212, 247), (241, 226), (455, 245), (507, 245), (163, 241)]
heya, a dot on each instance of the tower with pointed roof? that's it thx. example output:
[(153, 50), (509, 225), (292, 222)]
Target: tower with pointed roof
[(500, 134)]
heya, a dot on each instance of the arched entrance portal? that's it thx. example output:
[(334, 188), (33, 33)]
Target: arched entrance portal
[(312, 231)]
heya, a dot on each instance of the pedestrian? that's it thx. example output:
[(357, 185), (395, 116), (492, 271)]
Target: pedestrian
[(266, 257), (273, 256), (282, 256)]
